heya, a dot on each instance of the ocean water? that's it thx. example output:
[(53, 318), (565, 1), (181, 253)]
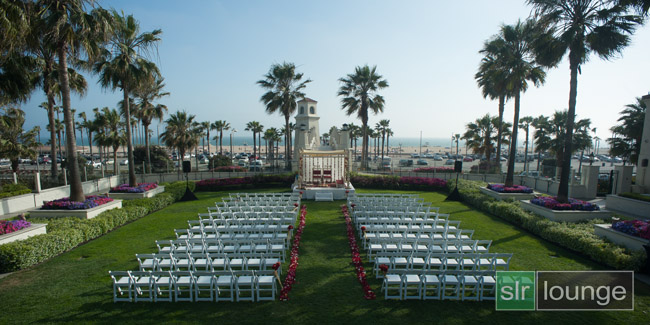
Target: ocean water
[(248, 140)]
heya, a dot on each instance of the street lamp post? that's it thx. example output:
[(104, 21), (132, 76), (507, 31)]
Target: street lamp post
[(231, 132), (420, 144)]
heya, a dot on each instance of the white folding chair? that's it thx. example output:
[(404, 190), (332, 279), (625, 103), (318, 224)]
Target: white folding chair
[(450, 287), (147, 262), (392, 282), (265, 284), (163, 286), (142, 285), (430, 287), (411, 286), (122, 283), (184, 286), (205, 282), (225, 285), (245, 287)]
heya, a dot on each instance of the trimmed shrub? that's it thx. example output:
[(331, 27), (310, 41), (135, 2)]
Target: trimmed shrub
[(14, 190), (64, 234), (636, 196), (578, 237), (398, 183)]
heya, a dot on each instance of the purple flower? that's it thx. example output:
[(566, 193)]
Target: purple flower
[(66, 204), (510, 189), (7, 227), (573, 205), (140, 188)]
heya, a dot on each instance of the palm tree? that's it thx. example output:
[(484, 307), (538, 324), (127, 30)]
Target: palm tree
[(220, 126), (382, 127), (626, 138), (359, 92), (73, 31), (580, 27), (256, 128), (389, 133), (524, 124), (492, 77), (177, 135), (551, 134), (481, 135), (124, 65), (284, 89), (149, 92), (16, 143), (518, 56), (113, 134), (205, 125)]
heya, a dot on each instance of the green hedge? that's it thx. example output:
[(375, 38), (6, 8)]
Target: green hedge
[(64, 234), (579, 237), (636, 196), (13, 190)]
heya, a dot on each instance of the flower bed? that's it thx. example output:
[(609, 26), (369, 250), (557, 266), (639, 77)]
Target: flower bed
[(394, 182), (66, 204), (356, 256), (638, 228), (290, 279), (434, 170), (501, 188), (573, 205), (140, 188), (218, 184), (9, 226), (229, 169)]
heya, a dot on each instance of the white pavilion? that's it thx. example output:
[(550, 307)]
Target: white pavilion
[(323, 166)]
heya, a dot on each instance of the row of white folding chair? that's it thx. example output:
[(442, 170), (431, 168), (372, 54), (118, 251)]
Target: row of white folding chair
[(281, 213), (275, 248), (234, 228), (364, 195), (191, 286), (441, 227), (392, 207), (476, 286), (435, 246), (227, 236), (257, 203), (413, 238), (206, 262), (239, 209), (442, 262), (410, 217), (268, 194)]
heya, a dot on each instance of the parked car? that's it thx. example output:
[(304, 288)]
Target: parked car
[(256, 165), (124, 162), (422, 162), (437, 158), (406, 162), (415, 155), (530, 173), (449, 162), (468, 159)]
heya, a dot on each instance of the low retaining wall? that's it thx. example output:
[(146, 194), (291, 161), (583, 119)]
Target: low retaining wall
[(563, 215), (33, 230), (506, 196), (623, 239), (628, 206), (83, 214), (133, 196)]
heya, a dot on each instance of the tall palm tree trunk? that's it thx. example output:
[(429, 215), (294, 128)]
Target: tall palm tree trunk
[(287, 148), (147, 144), (129, 144), (382, 146), (563, 189), (115, 165), (76, 191), (513, 142), (254, 145), (50, 116), (502, 105), (90, 143), (221, 142)]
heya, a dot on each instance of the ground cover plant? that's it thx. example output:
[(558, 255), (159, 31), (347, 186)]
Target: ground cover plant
[(636, 196), (140, 188), (67, 204), (75, 287), (9, 190), (509, 189), (573, 205), (638, 228), (9, 226)]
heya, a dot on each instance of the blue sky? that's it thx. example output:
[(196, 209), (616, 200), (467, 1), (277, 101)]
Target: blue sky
[(213, 52)]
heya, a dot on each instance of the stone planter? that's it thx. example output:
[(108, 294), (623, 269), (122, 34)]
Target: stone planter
[(132, 196), (623, 239), (33, 230), (563, 215), (82, 214), (628, 206), (506, 196)]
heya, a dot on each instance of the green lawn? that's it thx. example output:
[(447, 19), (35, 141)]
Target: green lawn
[(75, 287)]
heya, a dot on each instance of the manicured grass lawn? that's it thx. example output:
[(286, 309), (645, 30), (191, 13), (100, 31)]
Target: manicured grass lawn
[(75, 287)]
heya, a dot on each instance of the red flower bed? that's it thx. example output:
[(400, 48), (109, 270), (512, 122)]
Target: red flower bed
[(356, 256), (290, 279)]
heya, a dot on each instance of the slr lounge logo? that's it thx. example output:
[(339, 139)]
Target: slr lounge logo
[(565, 290)]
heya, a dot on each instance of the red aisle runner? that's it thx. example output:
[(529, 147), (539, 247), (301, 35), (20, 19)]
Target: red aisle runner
[(356, 256), (293, 262)]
